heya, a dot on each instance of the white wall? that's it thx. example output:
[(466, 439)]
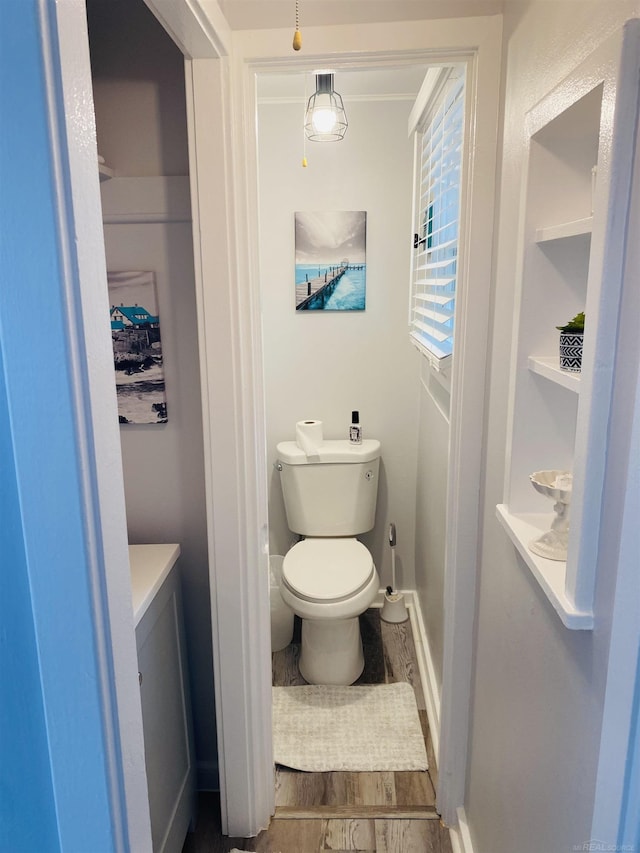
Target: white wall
[(323, 364), (138, 79), (163, 464), (144, 133), (538, 687), (431, 504)]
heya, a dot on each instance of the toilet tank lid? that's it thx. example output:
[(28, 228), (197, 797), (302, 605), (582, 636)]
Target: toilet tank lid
[(336, 450)]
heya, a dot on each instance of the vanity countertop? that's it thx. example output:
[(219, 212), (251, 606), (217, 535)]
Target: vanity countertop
[(150, 565)]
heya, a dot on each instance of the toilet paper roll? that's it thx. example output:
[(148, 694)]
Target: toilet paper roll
[(309, 436)]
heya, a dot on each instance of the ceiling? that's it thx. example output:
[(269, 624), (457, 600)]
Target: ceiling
[(266, 14), (353, 84), (401, 82)]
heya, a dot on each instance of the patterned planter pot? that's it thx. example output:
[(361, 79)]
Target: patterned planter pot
[(571, 351)]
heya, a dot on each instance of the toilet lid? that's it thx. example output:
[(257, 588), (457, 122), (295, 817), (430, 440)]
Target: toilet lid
[(327, 569)]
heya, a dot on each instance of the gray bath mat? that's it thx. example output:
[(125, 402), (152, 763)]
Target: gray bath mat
[(363, 728)]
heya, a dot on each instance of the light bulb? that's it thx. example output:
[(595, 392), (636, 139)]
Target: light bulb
[(324, 120)]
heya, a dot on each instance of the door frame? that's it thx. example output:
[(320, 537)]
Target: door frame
[(200, 31), (477, 42), (65, 32), (233, 424), (87, 582)]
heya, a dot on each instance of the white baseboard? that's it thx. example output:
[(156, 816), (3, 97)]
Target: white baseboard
[(425, 662), (460, 836), (456, 844), (426, 667)]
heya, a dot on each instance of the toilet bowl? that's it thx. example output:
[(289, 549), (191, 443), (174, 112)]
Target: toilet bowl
[(329, 582)]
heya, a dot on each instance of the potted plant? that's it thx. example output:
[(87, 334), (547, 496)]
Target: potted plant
[(571, 336)]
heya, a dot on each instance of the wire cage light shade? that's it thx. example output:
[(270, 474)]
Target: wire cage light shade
[(325, 119)]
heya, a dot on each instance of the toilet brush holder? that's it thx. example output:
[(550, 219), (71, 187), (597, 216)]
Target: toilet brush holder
[(394, 609)]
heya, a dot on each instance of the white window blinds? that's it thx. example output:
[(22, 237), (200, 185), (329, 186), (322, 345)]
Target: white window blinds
[(437, 212)]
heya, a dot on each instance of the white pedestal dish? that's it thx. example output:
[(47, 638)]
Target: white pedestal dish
[(556, 485)]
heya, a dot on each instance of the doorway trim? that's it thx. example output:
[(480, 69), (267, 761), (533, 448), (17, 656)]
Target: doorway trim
[(240, 609), (478, 42), (234, 458), (76, 194)]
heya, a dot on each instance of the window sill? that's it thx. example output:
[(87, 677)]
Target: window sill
[(437, 369), (439, 365)]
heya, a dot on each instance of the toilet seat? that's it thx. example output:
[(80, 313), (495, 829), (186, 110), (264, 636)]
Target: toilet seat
[(327, 570), (328, 583)]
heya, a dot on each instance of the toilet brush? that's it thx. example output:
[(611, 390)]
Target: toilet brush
[(394, 608)]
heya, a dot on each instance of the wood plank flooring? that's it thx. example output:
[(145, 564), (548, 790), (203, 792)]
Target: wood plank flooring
[(386, 812), (317, 835), (389, 657)]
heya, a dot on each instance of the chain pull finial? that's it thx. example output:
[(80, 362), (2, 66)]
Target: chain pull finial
[(297, 36)]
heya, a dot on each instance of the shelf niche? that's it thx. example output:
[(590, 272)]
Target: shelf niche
[(558, 419), (105, 172)]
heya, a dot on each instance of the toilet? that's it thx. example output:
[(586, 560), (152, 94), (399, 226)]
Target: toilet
[(329, 578)]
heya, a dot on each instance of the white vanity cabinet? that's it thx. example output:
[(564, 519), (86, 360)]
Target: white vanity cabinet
[(164, 692)]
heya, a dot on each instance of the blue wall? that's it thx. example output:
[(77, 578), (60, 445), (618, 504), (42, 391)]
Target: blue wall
[(60, 778), (27, 818)]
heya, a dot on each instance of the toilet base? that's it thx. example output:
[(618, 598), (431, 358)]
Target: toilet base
[(331, 651)]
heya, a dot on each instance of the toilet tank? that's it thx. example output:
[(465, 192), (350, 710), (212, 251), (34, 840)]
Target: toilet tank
[(333, 492)]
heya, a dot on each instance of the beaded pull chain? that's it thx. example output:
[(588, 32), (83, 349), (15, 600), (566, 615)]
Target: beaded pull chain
[(297, 36)]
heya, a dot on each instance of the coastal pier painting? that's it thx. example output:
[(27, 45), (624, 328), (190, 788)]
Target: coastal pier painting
[(137, 348), (330, 260)]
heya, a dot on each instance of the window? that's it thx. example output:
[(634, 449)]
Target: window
[(438, 152)]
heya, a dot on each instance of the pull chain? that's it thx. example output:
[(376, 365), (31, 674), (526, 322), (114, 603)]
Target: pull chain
[(297, 36)]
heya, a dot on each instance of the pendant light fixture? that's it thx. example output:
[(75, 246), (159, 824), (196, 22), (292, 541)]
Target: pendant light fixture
[(325, 119)]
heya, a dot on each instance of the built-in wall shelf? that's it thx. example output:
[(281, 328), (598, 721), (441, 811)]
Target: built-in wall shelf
[(551, 574), (146, 201), (575, 165), (563, 230), (549, 367), (105, 172)]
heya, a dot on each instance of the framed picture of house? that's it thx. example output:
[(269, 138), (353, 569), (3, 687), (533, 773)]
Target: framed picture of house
[(330, 260), (137, 348)]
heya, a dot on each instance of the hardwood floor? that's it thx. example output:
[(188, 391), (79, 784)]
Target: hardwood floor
[(317, 835), (389, 657), (386, 812)]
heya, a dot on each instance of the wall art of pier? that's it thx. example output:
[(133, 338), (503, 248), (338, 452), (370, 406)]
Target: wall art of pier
[(315, 292)]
